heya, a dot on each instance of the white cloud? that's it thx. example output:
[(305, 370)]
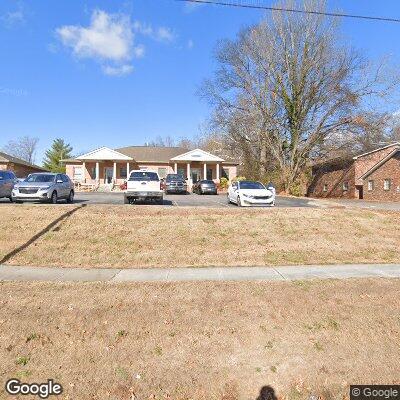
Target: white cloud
[(110, 40), (161, 34), (121, 70), (190, 44), (108, 37), (15, 17), (139, 51)]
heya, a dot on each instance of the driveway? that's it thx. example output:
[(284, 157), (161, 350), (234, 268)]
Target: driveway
[(188, 200)]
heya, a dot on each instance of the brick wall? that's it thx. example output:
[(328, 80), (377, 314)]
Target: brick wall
[(21, 171), (329, 179), (365, 163), (389, 170)]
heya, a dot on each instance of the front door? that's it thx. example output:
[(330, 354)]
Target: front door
[(195, 174), (108, 174)]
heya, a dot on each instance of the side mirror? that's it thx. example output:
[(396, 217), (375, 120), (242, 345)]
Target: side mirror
[(59, 181)]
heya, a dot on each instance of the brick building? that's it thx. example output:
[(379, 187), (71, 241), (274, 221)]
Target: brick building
[(373, 176), (20, 167)]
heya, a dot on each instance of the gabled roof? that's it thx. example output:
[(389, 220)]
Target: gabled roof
[(197, 155), (104, 153), (380, 163), (151, 153), (6, 158), (396, 144)]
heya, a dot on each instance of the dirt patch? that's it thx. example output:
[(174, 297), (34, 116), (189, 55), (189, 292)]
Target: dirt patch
[(201, 340), (144, 236)]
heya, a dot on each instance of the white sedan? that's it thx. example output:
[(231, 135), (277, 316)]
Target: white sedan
[(250, 193)]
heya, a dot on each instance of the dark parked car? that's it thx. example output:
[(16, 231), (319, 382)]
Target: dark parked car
[(205, 187), (7, 182), (175, 183)]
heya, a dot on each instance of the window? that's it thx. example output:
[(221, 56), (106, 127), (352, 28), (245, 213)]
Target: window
[(370, 185), (92, 172), (225, 173), (325, 188), (65, 178), (181, 172), (43, 178), (251, 185), (123, 172), (345, 186), (143, 176), (162, 172), (78, 173), (209, 174), (386, 184)]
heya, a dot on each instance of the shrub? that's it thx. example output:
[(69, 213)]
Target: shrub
[(223, 183)]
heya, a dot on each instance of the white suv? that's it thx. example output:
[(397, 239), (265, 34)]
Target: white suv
[(142, 186)]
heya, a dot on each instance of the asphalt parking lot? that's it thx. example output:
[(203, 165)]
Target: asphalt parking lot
[(181, 200)]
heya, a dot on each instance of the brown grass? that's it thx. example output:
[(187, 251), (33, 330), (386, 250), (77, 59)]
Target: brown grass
[(208, 341), (123, 237)]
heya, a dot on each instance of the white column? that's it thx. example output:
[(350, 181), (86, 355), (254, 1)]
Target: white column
[(127, 170), (176, 168), (188, 170), (205, 171), (115, 172), (97, 172), (84, 171), (217, 172)]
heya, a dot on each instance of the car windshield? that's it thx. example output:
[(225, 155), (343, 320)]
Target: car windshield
[(208, 182), (251, 185), (144, 176), (172, 177), (43, 178)]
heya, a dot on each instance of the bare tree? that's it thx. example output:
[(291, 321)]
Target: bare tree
[(297, 85), (24, 148)]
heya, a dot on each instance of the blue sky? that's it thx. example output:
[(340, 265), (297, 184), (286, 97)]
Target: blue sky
[(123, 72)]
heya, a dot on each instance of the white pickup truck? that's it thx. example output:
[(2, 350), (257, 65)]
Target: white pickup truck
[(142, 186)]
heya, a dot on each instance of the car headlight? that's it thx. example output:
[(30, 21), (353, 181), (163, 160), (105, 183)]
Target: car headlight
[(44, 188), (248, 195)]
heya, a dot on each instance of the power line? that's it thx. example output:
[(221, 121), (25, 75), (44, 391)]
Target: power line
[(293, 10)]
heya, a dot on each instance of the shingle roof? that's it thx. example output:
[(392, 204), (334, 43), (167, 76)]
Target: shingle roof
[(11, 159), (152, 154)]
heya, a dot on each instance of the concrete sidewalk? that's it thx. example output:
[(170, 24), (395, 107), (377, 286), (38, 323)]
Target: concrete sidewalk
[(14, 273)]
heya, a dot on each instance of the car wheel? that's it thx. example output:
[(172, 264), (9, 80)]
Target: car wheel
[(228, 199), (53, 199), (70, 198), (11, 199), (239, 202)]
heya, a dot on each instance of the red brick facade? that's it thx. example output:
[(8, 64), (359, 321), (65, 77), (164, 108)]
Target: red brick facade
[(21, 171), (348, 178), (333, 179), (374, 184)]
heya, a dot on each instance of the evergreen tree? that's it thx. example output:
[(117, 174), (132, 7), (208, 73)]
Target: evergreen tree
[(59, 151)]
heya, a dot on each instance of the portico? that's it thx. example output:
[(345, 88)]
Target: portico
[(198, 164), (105, 166)]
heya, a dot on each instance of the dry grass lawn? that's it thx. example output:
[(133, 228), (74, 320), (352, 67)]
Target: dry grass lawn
[(211, 341), (144, 236)]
